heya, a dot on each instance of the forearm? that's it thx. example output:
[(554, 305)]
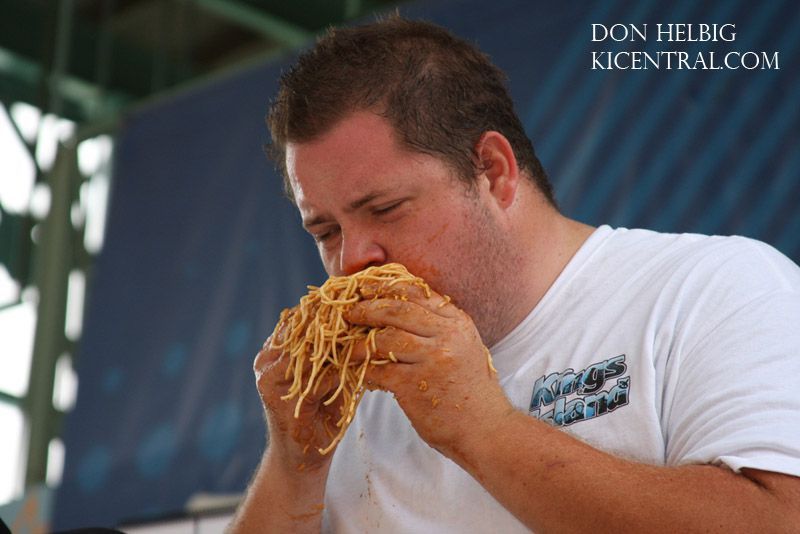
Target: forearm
[(554, 483), (282, 499)]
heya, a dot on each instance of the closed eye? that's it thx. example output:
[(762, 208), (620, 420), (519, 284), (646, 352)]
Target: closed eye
[(326, 234), (383, 210)]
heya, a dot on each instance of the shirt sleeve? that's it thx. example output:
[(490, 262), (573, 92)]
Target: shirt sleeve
[(732, 389)]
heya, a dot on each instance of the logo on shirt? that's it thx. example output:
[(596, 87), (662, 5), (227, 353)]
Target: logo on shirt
[(570, 396)]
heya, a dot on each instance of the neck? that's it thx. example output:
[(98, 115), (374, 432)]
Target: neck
[(546, 241)]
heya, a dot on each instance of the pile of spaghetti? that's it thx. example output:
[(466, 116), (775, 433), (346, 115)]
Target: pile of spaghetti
[(320, 341)]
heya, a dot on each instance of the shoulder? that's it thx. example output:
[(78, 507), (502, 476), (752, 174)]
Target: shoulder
[(718, 260)]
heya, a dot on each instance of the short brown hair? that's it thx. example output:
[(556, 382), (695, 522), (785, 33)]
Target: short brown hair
[(439, 92)]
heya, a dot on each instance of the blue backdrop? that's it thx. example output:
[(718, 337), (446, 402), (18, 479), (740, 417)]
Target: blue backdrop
[(202, 252)]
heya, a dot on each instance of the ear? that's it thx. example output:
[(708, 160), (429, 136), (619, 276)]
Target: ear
[(498, 166)]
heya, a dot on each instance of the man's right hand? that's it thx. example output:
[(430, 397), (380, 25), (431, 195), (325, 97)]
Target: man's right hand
[(295, 441), (288, 490)]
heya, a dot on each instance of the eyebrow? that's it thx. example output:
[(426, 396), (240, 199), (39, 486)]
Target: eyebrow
[(353, 206), (366, 199)]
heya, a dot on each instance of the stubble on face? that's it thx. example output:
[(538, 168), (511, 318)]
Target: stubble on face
[(475, 272)]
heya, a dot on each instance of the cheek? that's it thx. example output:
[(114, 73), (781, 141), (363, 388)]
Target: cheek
[(432, 245), (430, 274), (419, 257), (330, 259), (437, 235), (434, 254)]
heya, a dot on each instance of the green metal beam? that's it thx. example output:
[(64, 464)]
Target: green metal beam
[(269, 26), (10, 399), (97, 57), (20, 78), (54, 259)]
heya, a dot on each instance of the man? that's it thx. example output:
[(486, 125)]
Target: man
[(643, 380)]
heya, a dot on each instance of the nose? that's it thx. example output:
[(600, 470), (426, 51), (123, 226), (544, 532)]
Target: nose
[(359, 251)]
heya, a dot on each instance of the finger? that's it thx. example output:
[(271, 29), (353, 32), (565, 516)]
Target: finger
[(429, 299), (392, 345), (272, 369), (384, 377), (278, 337), (306, 397), (394, 378), (265, 357), (324, 385), (275, 355), (405, 315)]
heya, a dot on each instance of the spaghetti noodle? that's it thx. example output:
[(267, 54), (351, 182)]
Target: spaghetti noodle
[(319, 340)]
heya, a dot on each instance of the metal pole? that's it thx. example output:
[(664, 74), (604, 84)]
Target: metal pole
[(103, 58), (53, 261)]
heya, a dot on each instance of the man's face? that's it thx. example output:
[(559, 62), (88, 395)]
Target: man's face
[(369, 201)]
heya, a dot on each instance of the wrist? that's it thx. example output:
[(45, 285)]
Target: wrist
[(292, 464), (281, 498), (479, 444), (306, 485)]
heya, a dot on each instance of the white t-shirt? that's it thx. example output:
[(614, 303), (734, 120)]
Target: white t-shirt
[(665, 349)]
